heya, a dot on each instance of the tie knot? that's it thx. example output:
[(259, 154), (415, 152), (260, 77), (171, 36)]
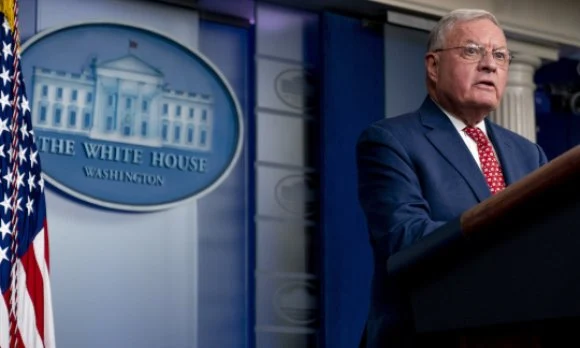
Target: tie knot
[(476, 134)]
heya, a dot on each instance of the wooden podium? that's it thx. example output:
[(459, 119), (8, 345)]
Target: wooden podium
[(509, 265)]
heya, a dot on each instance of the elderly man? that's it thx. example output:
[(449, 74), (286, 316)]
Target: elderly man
[(422, 169)]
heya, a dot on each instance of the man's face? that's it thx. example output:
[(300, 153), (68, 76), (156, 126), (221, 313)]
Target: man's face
[(469, 84)]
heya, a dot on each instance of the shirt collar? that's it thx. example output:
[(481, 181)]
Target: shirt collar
[(459, 124)]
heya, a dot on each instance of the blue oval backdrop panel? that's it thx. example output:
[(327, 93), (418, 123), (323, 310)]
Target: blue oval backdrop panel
[(127, 118)]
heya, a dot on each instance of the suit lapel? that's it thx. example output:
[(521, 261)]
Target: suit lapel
[(443, 135)]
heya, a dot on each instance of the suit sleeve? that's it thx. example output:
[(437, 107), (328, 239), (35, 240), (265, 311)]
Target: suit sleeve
[(543, 158), (390, 193)]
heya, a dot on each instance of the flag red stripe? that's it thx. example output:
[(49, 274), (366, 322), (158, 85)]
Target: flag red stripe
[(20, 342), (7, 295), (35, 287)]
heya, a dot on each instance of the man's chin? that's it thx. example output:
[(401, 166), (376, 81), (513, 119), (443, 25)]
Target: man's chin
[(485, 106)]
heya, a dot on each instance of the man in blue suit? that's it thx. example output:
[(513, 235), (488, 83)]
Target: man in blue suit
[(422, 169)]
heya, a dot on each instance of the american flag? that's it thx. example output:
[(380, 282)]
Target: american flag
[(26, 317)]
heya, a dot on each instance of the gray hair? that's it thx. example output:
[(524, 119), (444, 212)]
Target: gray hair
[(446, 23)]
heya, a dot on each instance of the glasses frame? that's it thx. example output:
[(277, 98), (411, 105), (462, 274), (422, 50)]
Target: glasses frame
[(482, 52)]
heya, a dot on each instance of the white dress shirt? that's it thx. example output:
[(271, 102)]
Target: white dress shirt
[(469, 142)]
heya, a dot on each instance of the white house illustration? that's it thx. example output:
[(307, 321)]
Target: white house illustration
[(121, 100)]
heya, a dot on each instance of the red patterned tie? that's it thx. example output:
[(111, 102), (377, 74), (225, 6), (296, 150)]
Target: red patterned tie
[(489, 163)]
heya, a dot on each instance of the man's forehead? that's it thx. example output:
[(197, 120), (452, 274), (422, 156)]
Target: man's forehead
[(478, 31)]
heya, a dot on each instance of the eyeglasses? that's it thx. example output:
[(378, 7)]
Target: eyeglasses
[(475, 53)]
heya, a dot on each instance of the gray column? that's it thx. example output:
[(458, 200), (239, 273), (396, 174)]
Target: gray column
[(517, 109)]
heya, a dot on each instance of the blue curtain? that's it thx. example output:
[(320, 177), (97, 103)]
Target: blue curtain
[(353, 95)]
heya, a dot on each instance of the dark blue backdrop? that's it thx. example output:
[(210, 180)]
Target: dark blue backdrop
[(558, 84), (353, 95)]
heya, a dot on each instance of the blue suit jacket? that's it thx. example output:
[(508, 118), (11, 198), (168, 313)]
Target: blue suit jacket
[(415, 173)]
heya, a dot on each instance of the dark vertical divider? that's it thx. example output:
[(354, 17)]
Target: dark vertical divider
[(353, 95)]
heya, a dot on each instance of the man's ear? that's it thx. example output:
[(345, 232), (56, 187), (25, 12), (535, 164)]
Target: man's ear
[(432, 65)]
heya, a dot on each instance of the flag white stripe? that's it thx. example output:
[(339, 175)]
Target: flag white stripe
[(27, 326), (39, 253), (4, 324), (25, 312)]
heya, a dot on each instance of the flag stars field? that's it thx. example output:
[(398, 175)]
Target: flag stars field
[(26, 318)]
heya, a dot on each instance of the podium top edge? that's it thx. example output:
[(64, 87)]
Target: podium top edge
[(558, 172)]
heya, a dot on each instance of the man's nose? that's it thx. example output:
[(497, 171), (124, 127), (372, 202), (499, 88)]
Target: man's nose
[(487, 62)]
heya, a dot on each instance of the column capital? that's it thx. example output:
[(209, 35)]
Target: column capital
[(517, 109), (522, 69), (527, 58), (528, 51), (532, 61)]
